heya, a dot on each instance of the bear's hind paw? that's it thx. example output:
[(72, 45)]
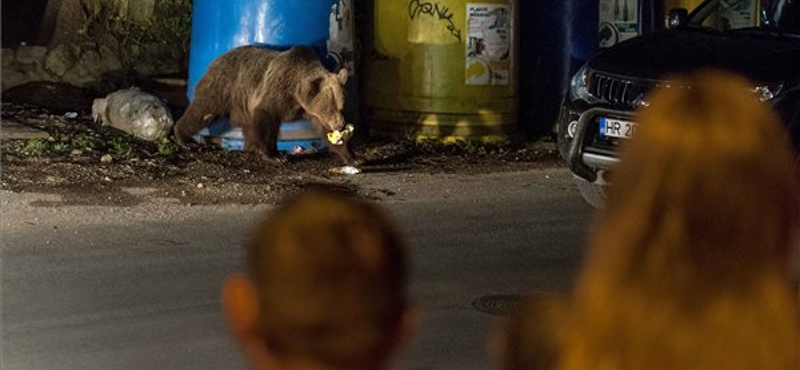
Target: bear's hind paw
[(276, 160)]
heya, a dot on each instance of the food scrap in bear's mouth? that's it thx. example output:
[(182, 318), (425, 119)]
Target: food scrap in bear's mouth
[(337, 137)]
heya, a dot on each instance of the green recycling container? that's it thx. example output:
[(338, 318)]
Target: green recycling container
[(442, 69)]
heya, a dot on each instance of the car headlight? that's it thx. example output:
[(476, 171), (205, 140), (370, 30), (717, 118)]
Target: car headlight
[(766, 93), (579, 85)]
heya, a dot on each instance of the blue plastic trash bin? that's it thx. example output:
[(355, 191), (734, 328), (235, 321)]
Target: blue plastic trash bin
[(221, 25)]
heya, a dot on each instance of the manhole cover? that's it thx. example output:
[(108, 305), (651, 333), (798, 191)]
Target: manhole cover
[(500, 304)]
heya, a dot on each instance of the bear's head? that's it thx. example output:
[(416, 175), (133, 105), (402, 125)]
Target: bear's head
[(322, 99)]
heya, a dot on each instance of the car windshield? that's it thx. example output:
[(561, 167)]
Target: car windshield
[(729, 15)]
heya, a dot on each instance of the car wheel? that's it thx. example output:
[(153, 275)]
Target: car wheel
[(592, 193)]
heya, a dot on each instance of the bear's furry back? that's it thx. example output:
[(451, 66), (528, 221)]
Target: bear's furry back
[(252, 77)]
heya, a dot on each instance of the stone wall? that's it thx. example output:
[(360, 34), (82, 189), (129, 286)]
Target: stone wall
[(88, 65), (86, 49)]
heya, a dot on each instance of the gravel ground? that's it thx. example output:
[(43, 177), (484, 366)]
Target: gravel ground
[(92, 165)]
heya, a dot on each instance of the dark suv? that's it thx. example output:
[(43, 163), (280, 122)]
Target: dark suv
[(599, 110)]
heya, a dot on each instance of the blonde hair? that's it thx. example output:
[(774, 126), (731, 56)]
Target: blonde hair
[(688, 262), (531, 336), (330, 271)]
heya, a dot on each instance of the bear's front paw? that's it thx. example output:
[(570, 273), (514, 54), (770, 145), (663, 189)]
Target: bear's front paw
[(355, 162)]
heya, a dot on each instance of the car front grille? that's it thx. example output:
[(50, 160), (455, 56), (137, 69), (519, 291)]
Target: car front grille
[(617, 91)]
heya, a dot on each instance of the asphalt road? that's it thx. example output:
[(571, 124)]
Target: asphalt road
[(99, 288)]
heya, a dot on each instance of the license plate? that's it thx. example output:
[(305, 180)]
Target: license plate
[(617, 128)]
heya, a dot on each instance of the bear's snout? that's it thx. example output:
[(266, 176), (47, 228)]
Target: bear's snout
[(337, 123)]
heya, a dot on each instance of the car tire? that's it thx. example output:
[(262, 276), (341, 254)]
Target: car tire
[(593, 194)]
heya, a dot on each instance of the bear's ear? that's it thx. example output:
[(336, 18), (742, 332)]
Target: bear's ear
[(342, 76)]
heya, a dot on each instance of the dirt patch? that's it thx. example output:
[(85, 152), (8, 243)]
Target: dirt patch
[(91, 165)]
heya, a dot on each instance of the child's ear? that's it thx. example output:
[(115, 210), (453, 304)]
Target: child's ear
[(240, 303)]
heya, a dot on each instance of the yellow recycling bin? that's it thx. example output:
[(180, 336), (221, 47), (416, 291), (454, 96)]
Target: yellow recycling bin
[(687, 4), (441, 69)]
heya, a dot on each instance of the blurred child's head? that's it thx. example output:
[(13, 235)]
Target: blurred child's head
[(530, 337), (327, 273)]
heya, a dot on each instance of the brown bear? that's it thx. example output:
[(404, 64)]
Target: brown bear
[(258, 88)]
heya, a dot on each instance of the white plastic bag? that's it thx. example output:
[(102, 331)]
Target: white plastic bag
[(136, 112)]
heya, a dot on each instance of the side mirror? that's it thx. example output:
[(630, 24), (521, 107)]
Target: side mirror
[(677, 17), (765, 17)]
